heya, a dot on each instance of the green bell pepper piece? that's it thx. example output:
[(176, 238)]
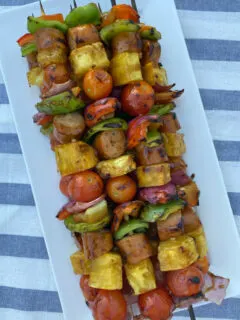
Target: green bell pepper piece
[(28, 48), (35, 24), (162, 109), (62, 103), (47, 129), (154, 138), (109, 124), (84, 226), (153, 212), (110, 31), (130, 226), (151, 34), (84, 15)]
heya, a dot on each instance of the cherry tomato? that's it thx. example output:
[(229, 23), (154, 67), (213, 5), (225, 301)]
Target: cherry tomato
[(63, 185), (156, 304), (185, 282), (88, 292), (110, 305), (85, 186), (202, 264), (121, 189), (97, 84), (137, 98)]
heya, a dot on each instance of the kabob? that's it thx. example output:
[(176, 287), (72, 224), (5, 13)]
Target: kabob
[(131, 208)]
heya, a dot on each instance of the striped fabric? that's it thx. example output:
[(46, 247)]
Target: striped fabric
[(27, 288)]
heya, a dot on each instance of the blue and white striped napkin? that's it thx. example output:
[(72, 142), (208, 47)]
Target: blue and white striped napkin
[(27, 288)]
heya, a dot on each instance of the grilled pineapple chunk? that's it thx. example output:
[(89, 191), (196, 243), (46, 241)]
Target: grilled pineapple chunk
[(87, 57), (154, 175), (116, 167), (141, 276), (75, 157), (177, 253), (79, 263), (106, 272), (189, 193), (125, 68), (153, 74), (200, 240), (174, 144), (35, 77), (48, 56)]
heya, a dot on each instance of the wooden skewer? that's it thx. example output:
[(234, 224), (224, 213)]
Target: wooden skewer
[(75, 3), (191, 313), (134, 5), (71, 8), (41, 8), (99, 7), (113, 2)]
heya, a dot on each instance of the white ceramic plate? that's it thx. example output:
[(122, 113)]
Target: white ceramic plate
[(214, 210)]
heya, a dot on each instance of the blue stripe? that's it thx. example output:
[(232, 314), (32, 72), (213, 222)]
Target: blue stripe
[(230, 309), (228, 150), (220, 99), (215, 50), (234, 198), (29, 300), (23, 246), (15, 2), (3, 94), (9, 143), (14, 193), (209, 5)]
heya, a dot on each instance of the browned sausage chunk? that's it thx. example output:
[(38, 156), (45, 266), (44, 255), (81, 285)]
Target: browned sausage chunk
[(32, 60), (135, 248), (126, 42), (151, 52), (170, 123), (50, 38), (81, 35), (171, 227), (150, 155), (110, 144), (96, 244)]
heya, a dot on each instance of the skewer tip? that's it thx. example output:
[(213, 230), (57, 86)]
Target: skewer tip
[(99, 7), (74, 3), (191, 313), (113, 2), (41, 8), (134, 5), (71, 8)]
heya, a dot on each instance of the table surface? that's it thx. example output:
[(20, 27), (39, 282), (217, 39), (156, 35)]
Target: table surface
[(27, 288)]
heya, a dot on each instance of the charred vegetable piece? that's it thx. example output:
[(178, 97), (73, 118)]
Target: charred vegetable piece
[(180, 178), (126, 68), (151, 52), (126, 42), (150, 33), (100, 110), (174, 144), (109, 124), (152, 213), (75, 157), (93, 214), (162, 109), (127, 209), (116, 167), (154, 175), (141, 276), (190, 220), (168, 96), (171, 227), (130, 226), (95, 244), (28, 49), (110, 144), (82, 35), (34, 24), (156, 195), (87, 57), (60, 104), (190, 193), (170, 123), (154, 75), (35, 77), (47, 130), (106, 272), (177, 253), (121, 11), (135, 248), (86, 227), (80, 264), (84, 15), (110, 31), (148, 155)]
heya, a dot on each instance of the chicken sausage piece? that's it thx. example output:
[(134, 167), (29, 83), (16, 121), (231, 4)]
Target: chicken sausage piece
[(135, 248), (151, 52), (171, 227), (81, 35), (96, 244), (126, 42), (50, 38), (110, 144), (150, 155)]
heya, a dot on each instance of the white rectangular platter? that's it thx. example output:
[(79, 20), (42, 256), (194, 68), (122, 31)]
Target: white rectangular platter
[(214, 210)]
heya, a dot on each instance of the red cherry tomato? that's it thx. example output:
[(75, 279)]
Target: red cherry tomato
[(85, 186), (63, 185), (97, 84), (110, 305), (121, 189), (137, 98), (156, 304)]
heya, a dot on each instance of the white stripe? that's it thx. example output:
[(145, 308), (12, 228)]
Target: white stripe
[(9, 314), (26, 273), (6, 119), (210, 25), (220, 75), (13, 169), (231, 175), (19, 220), (4, 8), (224, 125)]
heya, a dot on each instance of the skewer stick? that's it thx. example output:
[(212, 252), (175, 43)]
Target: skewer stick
[(134, 5), (75, 4), (99, 7), (71, 8), (191, 313), (41, 8), (113, 2)]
